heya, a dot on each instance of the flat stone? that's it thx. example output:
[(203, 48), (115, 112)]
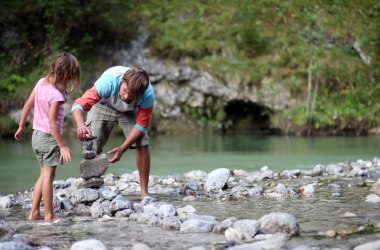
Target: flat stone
[(95, 167), (95, 182), (88, 154)]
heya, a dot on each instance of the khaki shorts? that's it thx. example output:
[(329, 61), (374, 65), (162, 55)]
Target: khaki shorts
[(101, 119), (46, 149)]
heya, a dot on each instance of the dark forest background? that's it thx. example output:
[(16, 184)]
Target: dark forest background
[(337, 42)]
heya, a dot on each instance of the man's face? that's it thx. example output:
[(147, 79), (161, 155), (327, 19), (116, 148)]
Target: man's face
[(124, 93)]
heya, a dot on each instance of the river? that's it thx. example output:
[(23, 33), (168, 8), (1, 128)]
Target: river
[(180, 154)]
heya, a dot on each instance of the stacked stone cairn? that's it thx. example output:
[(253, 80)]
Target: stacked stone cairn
[(93, 166)]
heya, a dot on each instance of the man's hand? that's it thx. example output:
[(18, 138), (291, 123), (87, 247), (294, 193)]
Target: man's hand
[(83, 132), (117, 152), (133, 136)]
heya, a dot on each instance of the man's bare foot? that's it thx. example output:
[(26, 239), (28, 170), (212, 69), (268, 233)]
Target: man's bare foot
[(34, 217), (143, 195)]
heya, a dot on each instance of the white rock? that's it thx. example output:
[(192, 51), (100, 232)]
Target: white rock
[(216, 179), (90, 244), (372, 198), (374, 245), (140, 246), (307, 190), (5, 202), (233, 234)]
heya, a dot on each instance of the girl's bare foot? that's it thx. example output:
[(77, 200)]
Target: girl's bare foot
[(34, 217), (53, 219)]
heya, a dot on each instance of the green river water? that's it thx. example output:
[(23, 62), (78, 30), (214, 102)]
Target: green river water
[(180, 154)]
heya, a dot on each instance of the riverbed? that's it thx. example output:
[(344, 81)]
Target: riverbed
[(318, 215)]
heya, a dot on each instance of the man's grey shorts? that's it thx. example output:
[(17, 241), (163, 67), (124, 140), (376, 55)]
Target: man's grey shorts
[(101, 120), (46, 149)]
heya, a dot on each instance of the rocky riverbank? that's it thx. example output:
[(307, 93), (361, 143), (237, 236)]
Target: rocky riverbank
[(331, 206)]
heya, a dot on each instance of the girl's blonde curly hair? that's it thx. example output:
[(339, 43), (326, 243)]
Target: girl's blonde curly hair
[(64, 72)]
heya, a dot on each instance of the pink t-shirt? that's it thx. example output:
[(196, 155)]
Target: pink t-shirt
[(45, 95)]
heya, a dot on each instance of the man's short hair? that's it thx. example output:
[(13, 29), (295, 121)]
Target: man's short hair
[(137, 81)]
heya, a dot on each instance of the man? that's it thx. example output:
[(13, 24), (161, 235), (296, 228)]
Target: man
[(116, 97)]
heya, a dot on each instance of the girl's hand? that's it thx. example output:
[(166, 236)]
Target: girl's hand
[(19, 132), (65, 154)]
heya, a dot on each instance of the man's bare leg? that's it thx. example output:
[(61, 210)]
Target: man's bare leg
[(143, 165)]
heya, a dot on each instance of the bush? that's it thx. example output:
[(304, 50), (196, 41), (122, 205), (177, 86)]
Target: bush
[(7, 127)]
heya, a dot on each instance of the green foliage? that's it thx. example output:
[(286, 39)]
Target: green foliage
[(186, 29), (7, 126), (249, 35), (347, 110), (237, 41), (291, 120), (9, 85), (34, 30), (210, 116), (16, 86), (73, 25)]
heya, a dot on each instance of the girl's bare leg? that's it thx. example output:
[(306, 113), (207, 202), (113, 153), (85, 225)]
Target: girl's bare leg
[(36, 200), (48, 175)]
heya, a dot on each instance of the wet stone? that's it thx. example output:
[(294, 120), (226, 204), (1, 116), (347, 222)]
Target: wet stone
[(14, 245), (87, 145), (95, 182), (88, 154), (110, 211), (89, 151), (95, 167)]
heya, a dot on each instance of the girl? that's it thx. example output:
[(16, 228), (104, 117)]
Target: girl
[(47, 98)]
